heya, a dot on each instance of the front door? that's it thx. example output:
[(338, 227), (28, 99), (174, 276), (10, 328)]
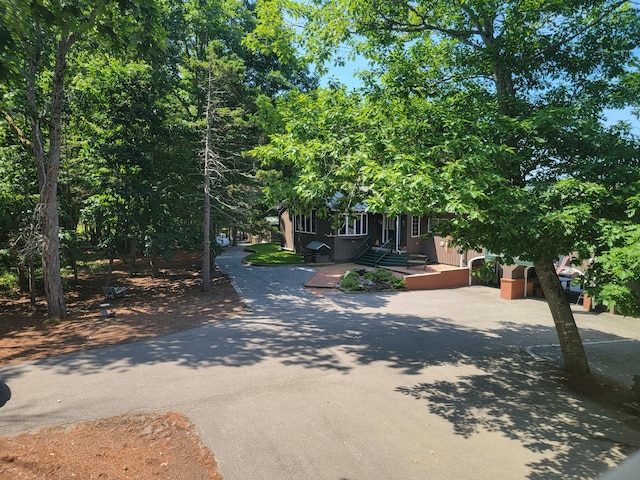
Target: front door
[(401, 243), (390, 231)]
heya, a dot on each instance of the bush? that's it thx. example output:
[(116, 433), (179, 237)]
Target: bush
[(385, 278), (486, 273), (351, 282), (8, 281), (379, 279), (398, 283)]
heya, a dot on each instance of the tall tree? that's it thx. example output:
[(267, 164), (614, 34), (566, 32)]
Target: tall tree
[(126, 127), (491, 111), (44, 43), (209, 157), (43, 35), (216, 31)]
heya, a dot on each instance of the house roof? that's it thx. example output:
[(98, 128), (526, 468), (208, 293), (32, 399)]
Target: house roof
[(359, 207)]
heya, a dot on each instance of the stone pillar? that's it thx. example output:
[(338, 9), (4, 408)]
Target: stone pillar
[(512, 282), (512, 288)]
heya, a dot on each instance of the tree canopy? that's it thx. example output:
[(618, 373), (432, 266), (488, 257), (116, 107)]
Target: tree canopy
[(493, 112), (109, 100)]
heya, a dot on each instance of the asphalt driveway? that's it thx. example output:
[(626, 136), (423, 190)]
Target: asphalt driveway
[(408, 385)]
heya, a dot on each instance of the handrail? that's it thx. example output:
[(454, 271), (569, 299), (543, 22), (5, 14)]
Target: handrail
[(385, 251), (366, 243), (382, 251)]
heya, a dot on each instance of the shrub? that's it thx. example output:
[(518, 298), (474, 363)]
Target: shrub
[(380, 275), (379, 279), (8, 281), (398, 283), (385, 278), (351, 282)]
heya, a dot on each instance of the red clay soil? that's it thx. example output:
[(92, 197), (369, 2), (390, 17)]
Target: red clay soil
[(162, 446), (159, 446)]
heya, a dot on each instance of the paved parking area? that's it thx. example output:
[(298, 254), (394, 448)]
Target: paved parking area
[(392, 385)]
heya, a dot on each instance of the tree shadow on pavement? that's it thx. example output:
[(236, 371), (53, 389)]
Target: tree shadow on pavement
[(510, 394), (528, 401), (294, 334)]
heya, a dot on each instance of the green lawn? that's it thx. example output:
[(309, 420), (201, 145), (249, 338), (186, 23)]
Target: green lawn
[(272, 254)]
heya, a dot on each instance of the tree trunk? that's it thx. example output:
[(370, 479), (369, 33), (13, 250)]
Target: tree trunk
[(51, 254), (153, 262), (48, 167), (32, 284), (23, 278), (110, 271), (74, 264), (132, 256), (573, 353), (206, 229)]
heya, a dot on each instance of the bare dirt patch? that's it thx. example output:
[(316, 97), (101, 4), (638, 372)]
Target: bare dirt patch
[(151, 307), (135, 447), (164, 445)]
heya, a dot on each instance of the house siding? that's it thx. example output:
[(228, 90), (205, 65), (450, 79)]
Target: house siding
[(439, 251), (417, 245), (343, 248), (286, 231), (346, 247), (322, 234)]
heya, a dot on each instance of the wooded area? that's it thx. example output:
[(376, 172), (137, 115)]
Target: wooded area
[(106, 107), (120, 116)]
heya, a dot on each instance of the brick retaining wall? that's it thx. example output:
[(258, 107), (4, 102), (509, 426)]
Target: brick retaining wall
[(444, 279)]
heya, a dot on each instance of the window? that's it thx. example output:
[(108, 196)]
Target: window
[(415, 226), (434, 223), (305, 223), (353, 224)]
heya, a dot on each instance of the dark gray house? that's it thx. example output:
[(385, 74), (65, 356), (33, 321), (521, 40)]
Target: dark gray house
[(354, 236)]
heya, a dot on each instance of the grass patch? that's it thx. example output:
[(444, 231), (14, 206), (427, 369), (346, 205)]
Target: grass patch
[(272, 254)]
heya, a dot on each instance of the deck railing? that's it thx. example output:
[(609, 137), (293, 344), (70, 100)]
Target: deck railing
[(383, 251), (363, 247)]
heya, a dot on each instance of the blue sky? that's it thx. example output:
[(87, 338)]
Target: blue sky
[(346, 75), (625, 115)]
